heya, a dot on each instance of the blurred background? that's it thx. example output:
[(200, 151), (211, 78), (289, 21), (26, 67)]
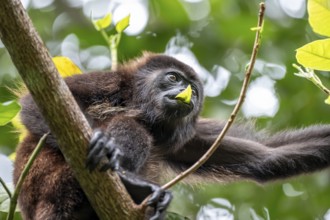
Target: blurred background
[(214, 37)]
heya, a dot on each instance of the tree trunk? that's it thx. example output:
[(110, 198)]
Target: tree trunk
[(33, 62)]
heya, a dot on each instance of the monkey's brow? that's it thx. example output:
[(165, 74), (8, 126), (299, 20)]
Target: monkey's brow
[(185, 77)]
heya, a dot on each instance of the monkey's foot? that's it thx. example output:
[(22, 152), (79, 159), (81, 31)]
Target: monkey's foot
[(139, 189), (101, 146), (159, 200)]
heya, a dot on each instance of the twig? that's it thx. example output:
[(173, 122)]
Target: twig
[(310, 75), (13, 200), (241, 98), (5, 187)]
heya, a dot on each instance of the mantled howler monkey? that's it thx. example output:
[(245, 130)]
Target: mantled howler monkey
[(143, 126)]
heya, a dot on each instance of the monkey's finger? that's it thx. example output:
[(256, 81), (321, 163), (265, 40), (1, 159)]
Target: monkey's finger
[(93, 161), (94, 156), (155, 197), (97, 134), (161, 204), (114, 162), (109, 165), (165, 200), (98, 147), (156, 216), (110, 147)]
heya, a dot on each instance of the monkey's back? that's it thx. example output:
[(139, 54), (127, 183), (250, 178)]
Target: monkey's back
[(50, 190)]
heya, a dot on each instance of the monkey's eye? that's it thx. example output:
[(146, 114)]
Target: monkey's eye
[(194, 92), (172, 77)]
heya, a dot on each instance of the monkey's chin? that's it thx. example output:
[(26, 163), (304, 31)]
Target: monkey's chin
[(177, 108)]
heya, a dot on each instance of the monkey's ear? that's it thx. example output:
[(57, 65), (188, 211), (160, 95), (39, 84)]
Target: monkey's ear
[(185, 95)]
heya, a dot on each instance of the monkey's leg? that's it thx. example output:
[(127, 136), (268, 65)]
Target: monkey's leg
[(50, 190)]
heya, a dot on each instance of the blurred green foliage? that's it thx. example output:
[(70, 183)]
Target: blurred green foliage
[(218, 30)]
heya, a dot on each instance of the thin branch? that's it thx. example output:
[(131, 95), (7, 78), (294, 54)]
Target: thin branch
[(241, 98), (13, 199), (5, 187)]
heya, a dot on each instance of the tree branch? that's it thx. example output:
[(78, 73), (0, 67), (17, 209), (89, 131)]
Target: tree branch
[(106, 194), (230, 121)]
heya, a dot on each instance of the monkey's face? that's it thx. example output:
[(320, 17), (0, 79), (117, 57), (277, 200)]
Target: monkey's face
[(178, 94), (168, 89)]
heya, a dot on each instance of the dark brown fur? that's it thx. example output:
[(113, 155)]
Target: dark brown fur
[(155, 141)]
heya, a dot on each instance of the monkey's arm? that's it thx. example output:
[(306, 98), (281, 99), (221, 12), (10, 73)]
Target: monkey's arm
[(126, 144), (242, 155)]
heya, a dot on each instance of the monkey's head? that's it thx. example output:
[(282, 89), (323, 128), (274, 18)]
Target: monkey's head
[(167, 88)]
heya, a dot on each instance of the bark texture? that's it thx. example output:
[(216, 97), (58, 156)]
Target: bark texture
[(33, 62)]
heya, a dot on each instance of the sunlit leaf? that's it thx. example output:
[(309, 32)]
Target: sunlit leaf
[(122, 24), (8, 110), (185, 95), (319, 16), (103, 22), (327, 101), (19, 128), (65, 66), (315, 55)]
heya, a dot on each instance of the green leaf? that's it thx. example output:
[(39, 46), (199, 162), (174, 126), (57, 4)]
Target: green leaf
[(4, 197), (103, 22), (122, 24), (185, 95), (175, 216), (319, 16), (315, 55), (8, 110), (327, 101)]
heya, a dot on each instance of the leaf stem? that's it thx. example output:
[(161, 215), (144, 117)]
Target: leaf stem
[(5, 187), (310, 75), (13, 200), (114, 53)]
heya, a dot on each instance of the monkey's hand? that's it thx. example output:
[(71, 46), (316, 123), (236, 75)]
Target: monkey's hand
[(102, 146)]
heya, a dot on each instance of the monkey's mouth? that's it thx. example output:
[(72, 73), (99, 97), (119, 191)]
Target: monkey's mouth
[(171, 101)]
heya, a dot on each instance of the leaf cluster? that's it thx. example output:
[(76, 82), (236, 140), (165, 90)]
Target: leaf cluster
[(316, 55), (112, 40)]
